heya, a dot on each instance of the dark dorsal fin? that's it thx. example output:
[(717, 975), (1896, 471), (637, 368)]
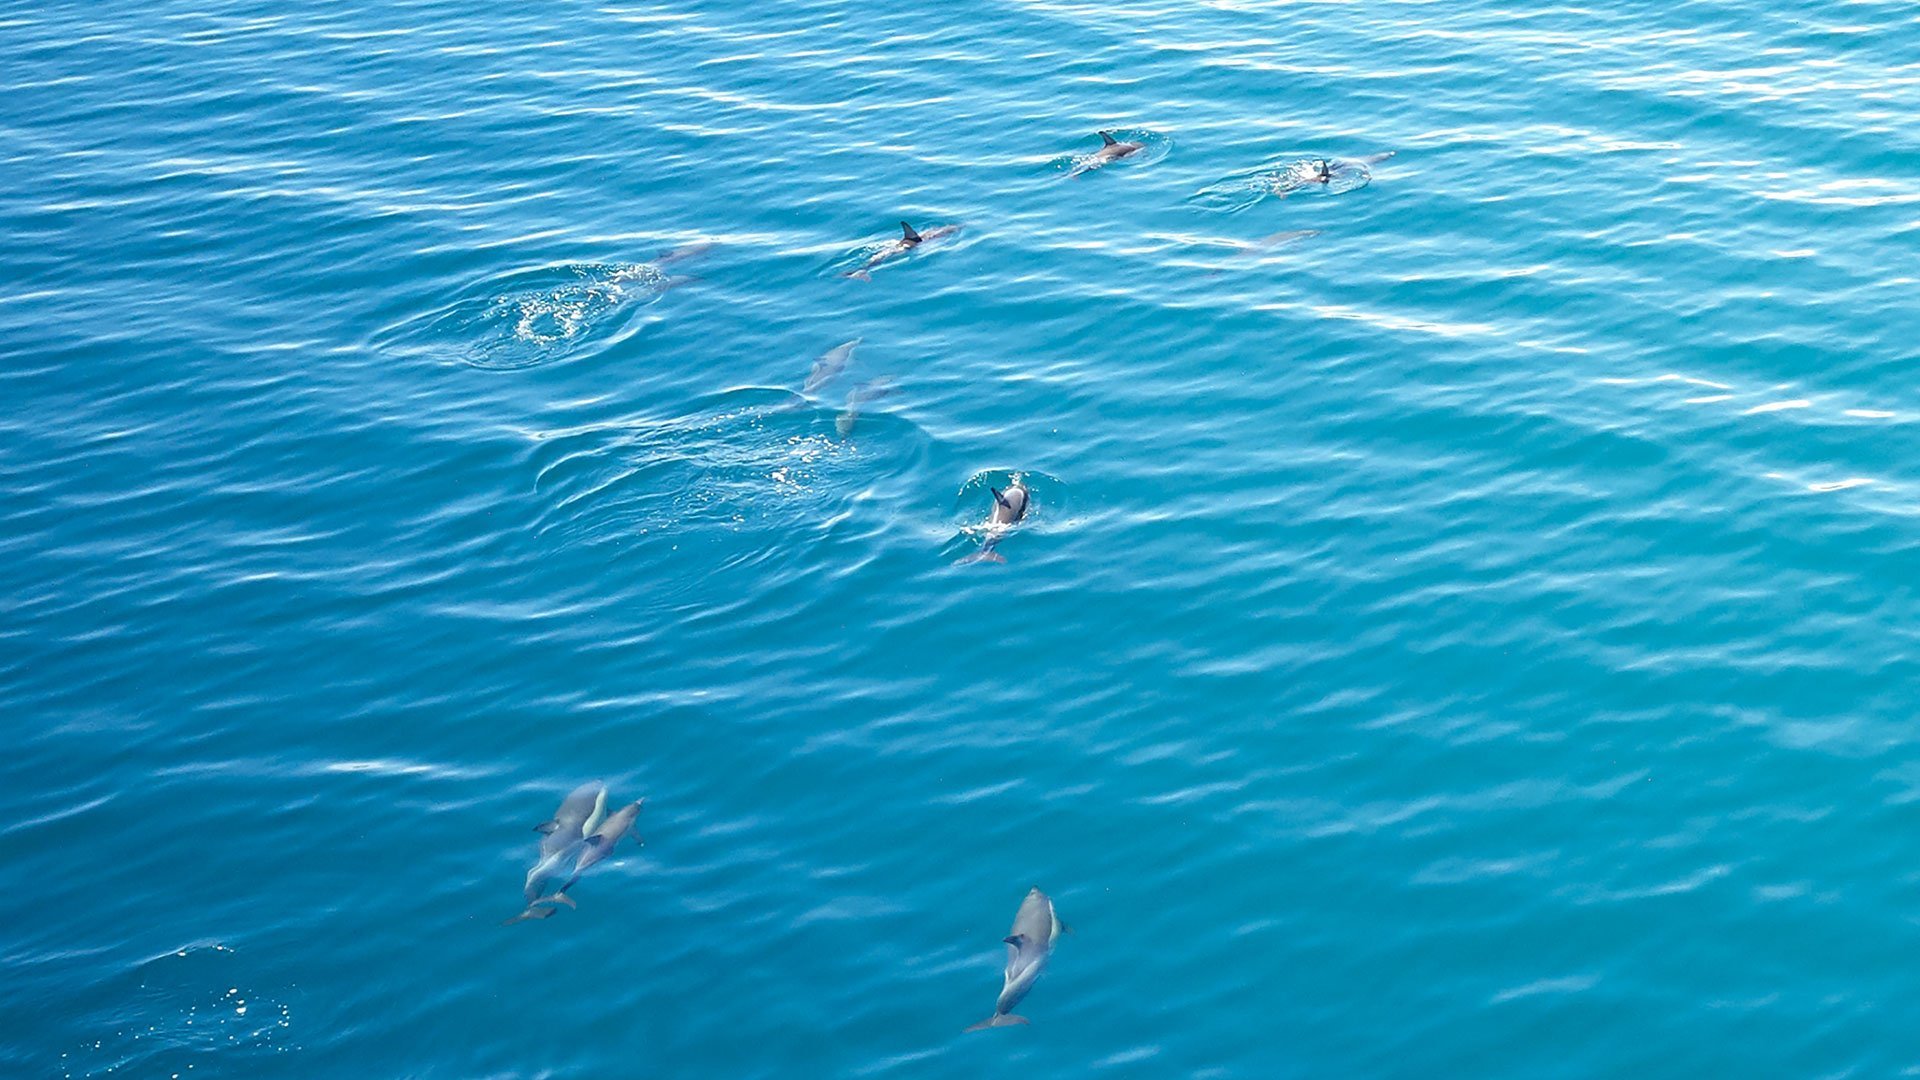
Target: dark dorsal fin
[(1001, 498), (907, 233), (1106, 138), (1015, 940)]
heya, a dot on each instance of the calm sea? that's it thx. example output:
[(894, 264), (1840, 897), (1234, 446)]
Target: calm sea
[(1465, 626)]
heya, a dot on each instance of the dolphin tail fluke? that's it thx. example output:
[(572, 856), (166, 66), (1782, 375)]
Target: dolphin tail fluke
[(982, 556), (534, 911), (860, 275), (1000, 1020)]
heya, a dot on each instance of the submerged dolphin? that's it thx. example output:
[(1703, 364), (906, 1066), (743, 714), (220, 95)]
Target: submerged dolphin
[(831, 363), (601, 841), (873, 390), (1009, 507), (1111, 150), (579, 815), (1035, 928), (909, 239)]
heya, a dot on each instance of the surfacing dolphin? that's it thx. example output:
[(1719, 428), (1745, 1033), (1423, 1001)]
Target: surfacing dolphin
[(909, 239), (1009, 508), (1111, 150), (1035, 928), (650, 275), (580, 814), (1350, 173), (601, 841)]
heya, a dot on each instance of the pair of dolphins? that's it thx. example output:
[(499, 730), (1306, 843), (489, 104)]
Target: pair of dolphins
[(580, 830), (1111, 150)]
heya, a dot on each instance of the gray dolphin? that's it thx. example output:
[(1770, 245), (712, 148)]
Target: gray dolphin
[(831, 363), (872, 390), (1324, 171), (1009, 508), (580, 814), (1035, 928), (600, 843), (909, 239), (650, 275), (1111, 150)]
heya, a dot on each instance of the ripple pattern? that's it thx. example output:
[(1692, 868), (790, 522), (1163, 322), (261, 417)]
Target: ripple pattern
[(1462, 629)]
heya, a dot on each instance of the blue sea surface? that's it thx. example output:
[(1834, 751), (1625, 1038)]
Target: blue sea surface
[(1466, 625)]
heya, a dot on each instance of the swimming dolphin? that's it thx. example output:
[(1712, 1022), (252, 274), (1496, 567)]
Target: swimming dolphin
[(1009, 507), (873, 390), (909, 239), (1035, 928), (579, 815), (600, 843), (1325, 171), (649, 275), (1111, 150), (831, 363)]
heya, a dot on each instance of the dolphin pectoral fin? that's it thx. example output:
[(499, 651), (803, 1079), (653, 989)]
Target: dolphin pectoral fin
[(546, 827), (1000, 1020), (1015, 940)]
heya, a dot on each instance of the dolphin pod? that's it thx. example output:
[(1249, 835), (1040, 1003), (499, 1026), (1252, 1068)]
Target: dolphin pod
[(582, 831), (1035, 928)]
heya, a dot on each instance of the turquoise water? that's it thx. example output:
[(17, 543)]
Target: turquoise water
[(1472, 639)]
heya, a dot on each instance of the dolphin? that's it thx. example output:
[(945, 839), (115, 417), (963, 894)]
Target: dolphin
[(580, 814), (1111, 150), (600, 843), (831, 363), (649, 275), (909, 239), (1009, 508), (872, 390), (1324, 171), (1035, 928)]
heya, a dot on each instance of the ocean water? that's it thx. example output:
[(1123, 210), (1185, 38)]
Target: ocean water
[(1465, 626)]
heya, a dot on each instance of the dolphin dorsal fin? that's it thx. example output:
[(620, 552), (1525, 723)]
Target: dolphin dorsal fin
[(1001, 498), (907, 233), (1015, 940), (1106, 138)]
